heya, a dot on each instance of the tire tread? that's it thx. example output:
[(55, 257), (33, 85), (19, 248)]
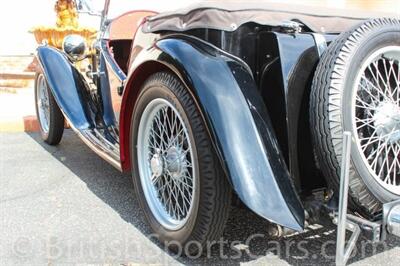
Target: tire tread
[(328, 148), (215, 194)]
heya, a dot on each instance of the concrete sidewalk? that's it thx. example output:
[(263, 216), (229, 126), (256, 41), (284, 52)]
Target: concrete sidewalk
[(17, 102), (17, 110), (64, 205)]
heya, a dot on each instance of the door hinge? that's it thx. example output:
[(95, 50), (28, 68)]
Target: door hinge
[(120, 89)]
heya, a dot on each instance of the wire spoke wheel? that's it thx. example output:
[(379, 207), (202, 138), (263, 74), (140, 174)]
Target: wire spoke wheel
[(50, 117), (356, 89), (178, 179), (43, 103), (165, 159), (376, 116)]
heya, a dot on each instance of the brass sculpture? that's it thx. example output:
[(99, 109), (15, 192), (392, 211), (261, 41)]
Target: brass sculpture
[(66, 24)]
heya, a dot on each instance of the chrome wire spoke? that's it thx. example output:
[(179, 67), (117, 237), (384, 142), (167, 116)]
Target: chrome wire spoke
[(166, 164), (370, 86), (389, 88), (43, 103), (398, 82), (392, 167), (364, 104), (182, 201), (173, 203), (377, 118), (384, 81)]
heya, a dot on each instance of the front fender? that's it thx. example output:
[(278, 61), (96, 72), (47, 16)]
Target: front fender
[(66, 85), (239, 125)]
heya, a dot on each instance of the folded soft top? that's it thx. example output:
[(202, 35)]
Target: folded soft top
[(228, 15)]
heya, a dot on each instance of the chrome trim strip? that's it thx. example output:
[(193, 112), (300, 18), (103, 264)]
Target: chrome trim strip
[(100, 151), (231, 56), (320, 43), (111, 61)]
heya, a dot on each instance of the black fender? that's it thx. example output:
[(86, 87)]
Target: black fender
[(66, 84), (238, 122)]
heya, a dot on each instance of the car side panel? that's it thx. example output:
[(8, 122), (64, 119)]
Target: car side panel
[(237, 119), (66, 85)]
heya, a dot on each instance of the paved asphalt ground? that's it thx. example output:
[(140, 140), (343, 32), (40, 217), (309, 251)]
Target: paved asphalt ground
[(65, 205)]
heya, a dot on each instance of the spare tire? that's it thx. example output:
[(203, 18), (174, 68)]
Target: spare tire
[(356, 88)]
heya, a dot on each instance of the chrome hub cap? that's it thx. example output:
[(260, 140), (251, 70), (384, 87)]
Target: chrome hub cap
[(387, 121), (43, 103), (166, 167), (376, 116), (176, 162)]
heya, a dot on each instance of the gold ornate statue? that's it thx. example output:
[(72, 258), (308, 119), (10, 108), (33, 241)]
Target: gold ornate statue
[(67, 15), (66, 23)]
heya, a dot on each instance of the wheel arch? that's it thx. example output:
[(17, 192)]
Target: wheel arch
[(66, 85), (131, 91), (244, 141)]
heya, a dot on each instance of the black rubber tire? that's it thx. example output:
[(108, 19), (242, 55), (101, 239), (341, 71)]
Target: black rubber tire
[(330, 110), (212, 203), (56, 123)]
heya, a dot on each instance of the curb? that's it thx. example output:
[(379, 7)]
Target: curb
[(27, 124), (17, 75)]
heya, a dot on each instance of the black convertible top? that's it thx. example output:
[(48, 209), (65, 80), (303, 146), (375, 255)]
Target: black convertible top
[(228, 15)]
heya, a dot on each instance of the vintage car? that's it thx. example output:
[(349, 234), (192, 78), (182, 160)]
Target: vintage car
[(226, 100)]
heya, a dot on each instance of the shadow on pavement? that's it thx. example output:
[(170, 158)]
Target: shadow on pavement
[(245, 238)]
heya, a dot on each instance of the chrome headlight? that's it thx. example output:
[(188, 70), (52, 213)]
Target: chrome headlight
[(75, 47)]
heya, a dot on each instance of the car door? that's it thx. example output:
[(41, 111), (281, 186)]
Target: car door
[(114, 60)]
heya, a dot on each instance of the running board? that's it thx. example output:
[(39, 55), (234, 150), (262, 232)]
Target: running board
[(103, 147)]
